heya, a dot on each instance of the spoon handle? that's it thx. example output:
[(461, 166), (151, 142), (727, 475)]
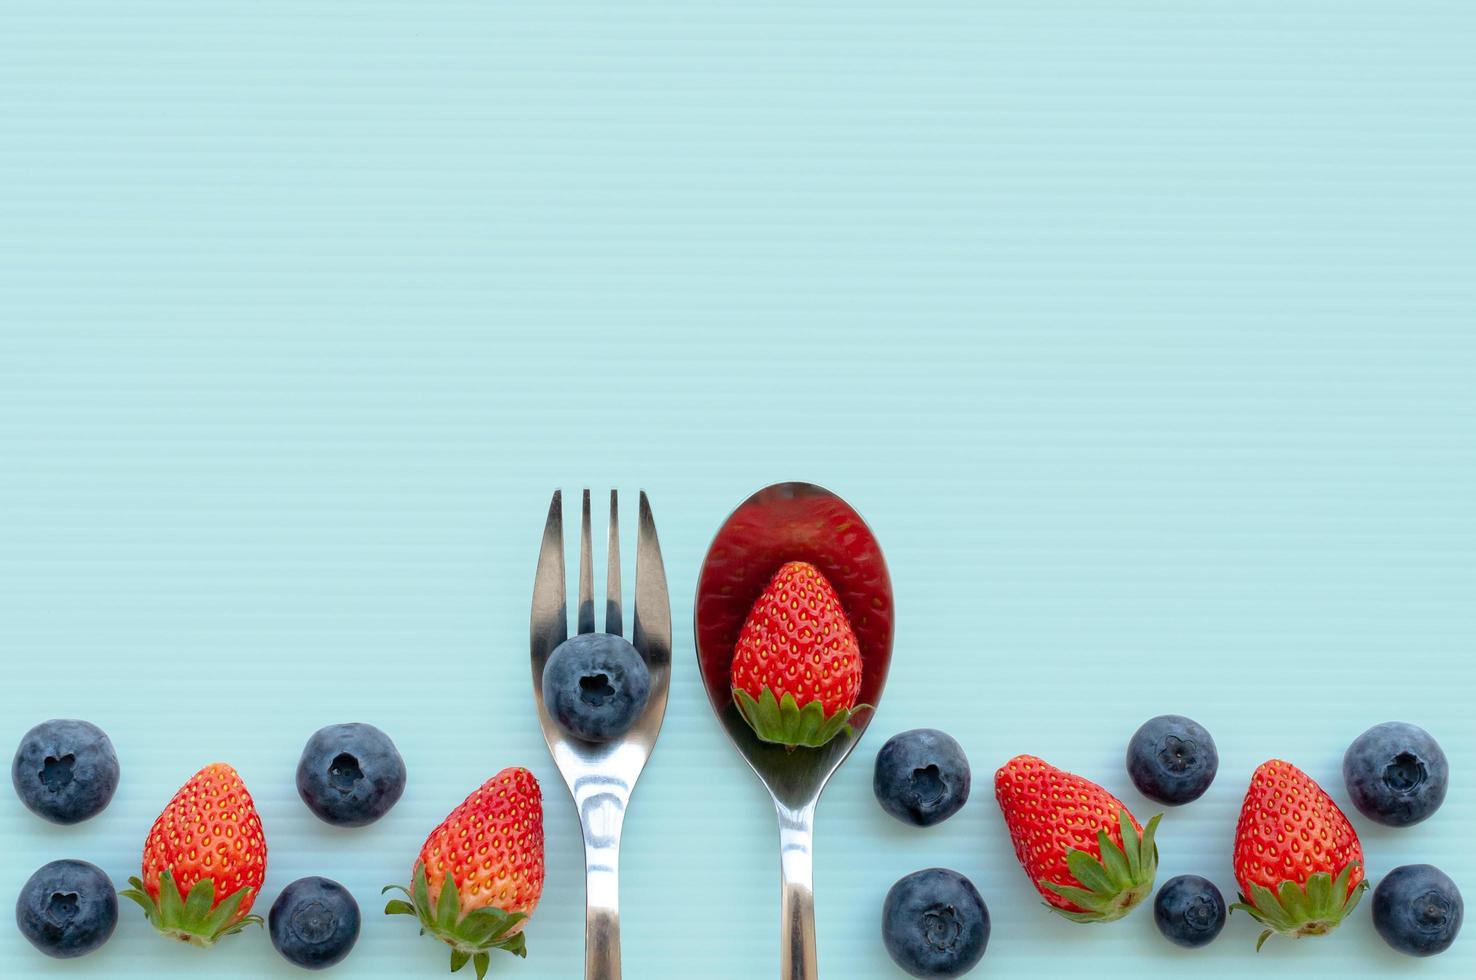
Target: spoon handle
[(602, 816), (797, 901)]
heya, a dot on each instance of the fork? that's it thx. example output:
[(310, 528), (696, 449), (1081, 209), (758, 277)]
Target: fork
[(601, 776)]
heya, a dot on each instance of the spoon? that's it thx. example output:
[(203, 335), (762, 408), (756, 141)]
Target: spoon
[(780, 523)]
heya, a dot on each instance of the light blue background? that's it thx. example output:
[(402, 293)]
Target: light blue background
[(1140, 331)]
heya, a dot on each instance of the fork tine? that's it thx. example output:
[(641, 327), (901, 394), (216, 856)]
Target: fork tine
[(652, 633), (586, 573), (549, 624), (613, 622)]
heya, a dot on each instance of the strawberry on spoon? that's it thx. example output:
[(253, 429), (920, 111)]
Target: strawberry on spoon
[(797, 666)]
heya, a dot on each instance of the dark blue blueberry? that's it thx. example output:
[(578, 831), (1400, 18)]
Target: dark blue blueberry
[(596, 685), (67, 909), (922, 777), (350, 775), (314, 922), (934, 924), (1396, 774), (1418, 909), (65, 770), (1172, 759), (1190, 911)]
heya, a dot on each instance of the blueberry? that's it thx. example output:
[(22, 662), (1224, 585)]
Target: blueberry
[(1190, 911), (1172, 759), (922, 777), (314, 922), (67, 909), (1418, 910), (935, 924), (595, 686), (1396, 774), (350, 775), (65, 770)]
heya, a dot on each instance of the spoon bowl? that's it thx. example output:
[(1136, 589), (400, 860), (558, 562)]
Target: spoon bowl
[(781, 523)]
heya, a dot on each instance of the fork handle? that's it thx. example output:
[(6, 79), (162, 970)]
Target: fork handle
[(797, 900), (601, 816)]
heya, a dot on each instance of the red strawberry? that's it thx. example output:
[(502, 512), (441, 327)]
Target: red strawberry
[(204, 860), (797, 665), (480, 873), (1297, 859), (1085, 853)]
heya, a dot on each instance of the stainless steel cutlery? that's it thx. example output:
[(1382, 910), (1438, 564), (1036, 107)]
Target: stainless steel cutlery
[(788, 522), (601, 776)]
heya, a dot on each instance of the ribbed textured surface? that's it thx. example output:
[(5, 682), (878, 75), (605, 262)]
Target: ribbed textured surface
[(1140, 332)]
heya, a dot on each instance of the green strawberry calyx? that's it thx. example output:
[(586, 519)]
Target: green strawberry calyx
[(1119, 881), (472, 936), (783, 722), (194, 919), (1296, 910)]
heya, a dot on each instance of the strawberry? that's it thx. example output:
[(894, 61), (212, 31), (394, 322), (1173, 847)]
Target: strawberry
[(203, 861), (1085, 853), (1297, 859), (797, 666), (480, 873)]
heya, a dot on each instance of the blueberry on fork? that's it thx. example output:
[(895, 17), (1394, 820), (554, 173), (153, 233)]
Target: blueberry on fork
[(596, 685)]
